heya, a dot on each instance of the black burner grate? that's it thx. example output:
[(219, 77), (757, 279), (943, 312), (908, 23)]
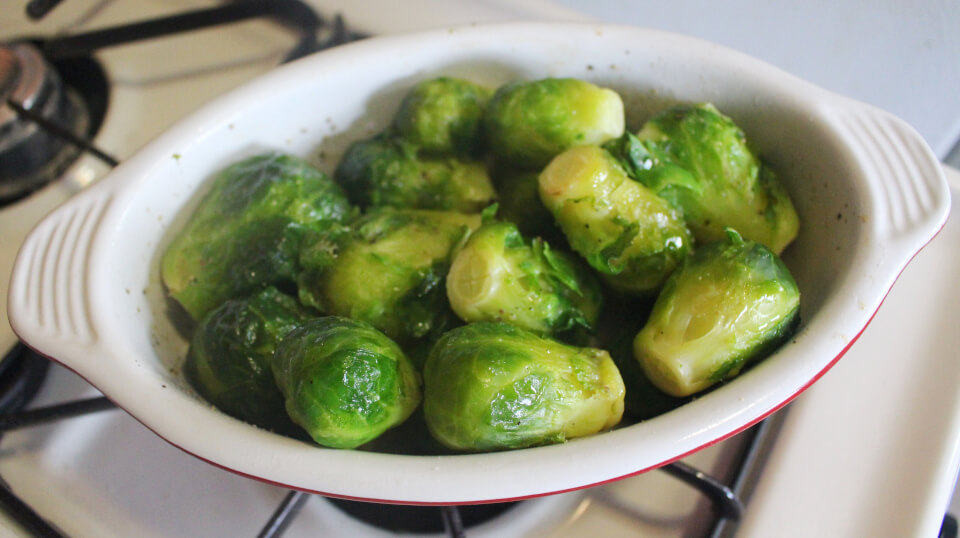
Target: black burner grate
[(21, 375)]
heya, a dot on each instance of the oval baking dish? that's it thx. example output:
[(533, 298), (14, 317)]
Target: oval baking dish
[(86, 289)]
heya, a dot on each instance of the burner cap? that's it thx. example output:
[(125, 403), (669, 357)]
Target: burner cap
[(29, 156), (26, 79)]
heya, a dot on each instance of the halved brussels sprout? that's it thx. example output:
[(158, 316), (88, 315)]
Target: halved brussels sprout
[(386, 269), (388, 171), (246, 232), (228, 362), (528, 123), (492, 386), (498, 276), (344, 382), (444, 115), (730, 303), (634, 238), (727, 185)]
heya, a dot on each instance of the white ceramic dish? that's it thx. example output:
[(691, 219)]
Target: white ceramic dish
[(85, 289)]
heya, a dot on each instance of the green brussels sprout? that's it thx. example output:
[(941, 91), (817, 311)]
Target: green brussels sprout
[(228, 362), (387, 269), (246, 232), (491, 386), (443, 115), (344, 382), (731, 302), (727, 185), (518, 199), (634, 238), (498, 276), (528, 123), (667, 179), (392, 172)]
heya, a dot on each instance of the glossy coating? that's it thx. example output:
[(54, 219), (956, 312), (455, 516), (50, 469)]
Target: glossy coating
[(498, 275), (490, 386), (228, 362), (731, 302), (386, 269), (247, 229), (529, 122), (344, 382), (721, 182), (624, 230)]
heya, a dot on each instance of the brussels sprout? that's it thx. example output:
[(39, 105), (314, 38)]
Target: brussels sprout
[(667, 179), (228, 362), (634, 238), (344, 382), (246, 231), (730, 303), (387, 269), (528, 123), (518, 198), (498, 276), (443, 115), (733, 188), (490, 386), (390, 171)]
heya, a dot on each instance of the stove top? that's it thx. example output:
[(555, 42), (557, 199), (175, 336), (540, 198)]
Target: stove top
[(104, 474)]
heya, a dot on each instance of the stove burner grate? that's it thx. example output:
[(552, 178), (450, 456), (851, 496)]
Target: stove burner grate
[(21, 375)]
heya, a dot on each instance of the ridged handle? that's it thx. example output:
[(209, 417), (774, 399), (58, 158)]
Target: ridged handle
[(49, 290), (911, 195)]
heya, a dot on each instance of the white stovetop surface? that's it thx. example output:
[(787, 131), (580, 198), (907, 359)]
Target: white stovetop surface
[(870, 450)]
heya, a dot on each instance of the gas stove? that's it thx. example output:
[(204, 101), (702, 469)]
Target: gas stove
[(831, 463)]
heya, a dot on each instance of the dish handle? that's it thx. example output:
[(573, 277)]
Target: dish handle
[(911, 200), (49, 298)]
